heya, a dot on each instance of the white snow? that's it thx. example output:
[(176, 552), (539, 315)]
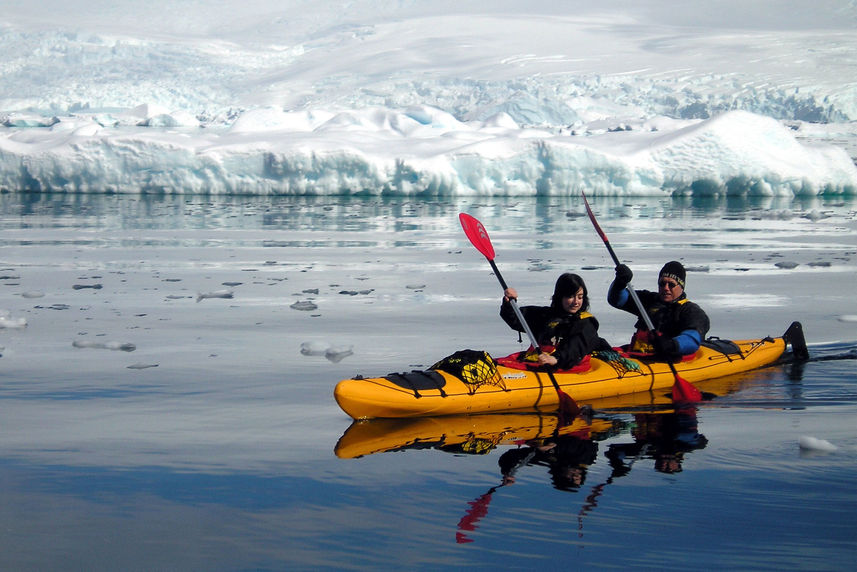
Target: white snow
[(476, 98)]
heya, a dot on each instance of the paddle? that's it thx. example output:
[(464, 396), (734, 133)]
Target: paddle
[(477, 234), (682, 390)]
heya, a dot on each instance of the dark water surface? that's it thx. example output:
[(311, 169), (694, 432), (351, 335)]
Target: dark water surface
[(158, 412)]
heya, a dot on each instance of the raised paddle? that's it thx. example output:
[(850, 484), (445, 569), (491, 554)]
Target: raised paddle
[(477, 234), (682, 390)]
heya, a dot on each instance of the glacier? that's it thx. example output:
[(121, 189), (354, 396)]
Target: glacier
[(373, 97), (421, 151)]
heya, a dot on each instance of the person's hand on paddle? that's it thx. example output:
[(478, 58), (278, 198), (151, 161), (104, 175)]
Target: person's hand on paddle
[(547, 359), (664, 347), (623, 276), (509, 294)]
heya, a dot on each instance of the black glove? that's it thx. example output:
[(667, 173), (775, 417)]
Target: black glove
[(623, 277), (665, 347)]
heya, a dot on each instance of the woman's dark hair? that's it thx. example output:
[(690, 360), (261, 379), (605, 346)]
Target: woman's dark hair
[(567, 285)]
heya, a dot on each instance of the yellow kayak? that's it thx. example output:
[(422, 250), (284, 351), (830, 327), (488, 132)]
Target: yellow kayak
[(480, 434), (474, 382)]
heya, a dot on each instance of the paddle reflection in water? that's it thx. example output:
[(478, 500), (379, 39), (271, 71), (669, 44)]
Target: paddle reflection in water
[(567, 457)]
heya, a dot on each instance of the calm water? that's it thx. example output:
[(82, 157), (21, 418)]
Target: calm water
[(157, 411)]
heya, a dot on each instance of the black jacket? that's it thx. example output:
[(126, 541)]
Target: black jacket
[(573, 335), (671, 319)]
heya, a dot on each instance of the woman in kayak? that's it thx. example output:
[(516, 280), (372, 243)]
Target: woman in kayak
[(680, 325), (565, 330)]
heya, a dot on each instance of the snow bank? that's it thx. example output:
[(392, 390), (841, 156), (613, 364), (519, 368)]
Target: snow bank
[(420, 150)]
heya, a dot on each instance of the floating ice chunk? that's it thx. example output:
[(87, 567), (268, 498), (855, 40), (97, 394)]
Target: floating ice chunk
[(139, 365), (814, 215), (338, 353), (786, 265), (215, 294), (332, 353), (121, 346), (33, 294), (314, 348), (848, 318), (813, 444), (303, 306), (8, 322), (13, 323)]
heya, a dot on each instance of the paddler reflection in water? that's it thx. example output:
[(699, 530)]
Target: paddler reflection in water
[(680, 325), (567, 457), (664, 437), (565, 330)]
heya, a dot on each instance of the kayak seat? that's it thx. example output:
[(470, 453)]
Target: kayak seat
[(517, 361)]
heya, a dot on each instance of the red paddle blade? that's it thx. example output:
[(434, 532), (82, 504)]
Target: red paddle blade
[(477, 234), (592, 218), (568, 408), (684, 392)]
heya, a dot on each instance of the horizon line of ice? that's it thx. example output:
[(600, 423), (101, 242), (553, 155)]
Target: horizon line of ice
[(419, 151)]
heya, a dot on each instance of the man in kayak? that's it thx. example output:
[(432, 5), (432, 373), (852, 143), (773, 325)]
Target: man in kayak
[(565, 330), (680, 325)]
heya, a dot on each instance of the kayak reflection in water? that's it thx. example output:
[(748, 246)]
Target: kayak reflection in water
[(567, 458), (664, 437)]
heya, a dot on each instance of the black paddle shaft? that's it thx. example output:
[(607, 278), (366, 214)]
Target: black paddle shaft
[(515, 307)]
